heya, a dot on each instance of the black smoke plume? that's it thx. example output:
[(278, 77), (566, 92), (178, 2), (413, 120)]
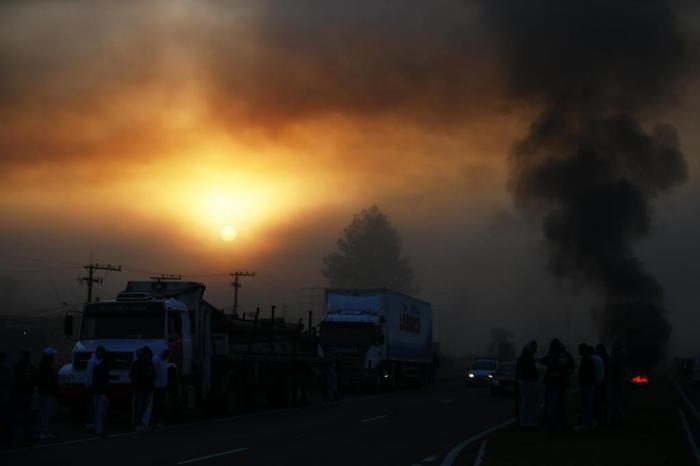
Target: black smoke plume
[(589, 166)]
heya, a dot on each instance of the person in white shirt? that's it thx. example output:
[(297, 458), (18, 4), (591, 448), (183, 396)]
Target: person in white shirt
[(90, 413), (160, 363)]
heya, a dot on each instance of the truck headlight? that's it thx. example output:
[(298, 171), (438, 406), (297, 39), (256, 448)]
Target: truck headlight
[(470, 375)]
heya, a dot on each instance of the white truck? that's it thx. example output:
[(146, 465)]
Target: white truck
[(214, 357), (377, 337)]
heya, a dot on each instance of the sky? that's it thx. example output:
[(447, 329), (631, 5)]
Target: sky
[(133, 133)]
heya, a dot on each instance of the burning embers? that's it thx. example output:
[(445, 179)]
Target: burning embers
[(640, 380)]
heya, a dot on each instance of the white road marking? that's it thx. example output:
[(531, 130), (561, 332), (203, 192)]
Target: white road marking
[(691, 406), (375, 418), (481, 455), (452, 455), (215, 455), (449, 400), (429, 459), (691, 440)]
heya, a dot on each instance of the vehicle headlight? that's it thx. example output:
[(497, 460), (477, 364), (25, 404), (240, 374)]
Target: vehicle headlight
[(470, 375), (490, 376)]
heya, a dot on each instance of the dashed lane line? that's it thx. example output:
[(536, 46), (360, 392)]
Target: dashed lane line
[(375, 418), (215, 455)]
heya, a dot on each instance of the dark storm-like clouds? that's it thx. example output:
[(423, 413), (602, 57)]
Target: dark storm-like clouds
[(426, 62), (588, 166), (74, 65)]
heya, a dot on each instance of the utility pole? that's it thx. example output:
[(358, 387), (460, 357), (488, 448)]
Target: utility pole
[(236, 284), (91, 280)]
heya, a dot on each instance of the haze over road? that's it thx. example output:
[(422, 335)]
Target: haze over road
[(403, 428)]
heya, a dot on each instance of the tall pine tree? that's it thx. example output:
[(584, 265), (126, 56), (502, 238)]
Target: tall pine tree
[(369, 255)]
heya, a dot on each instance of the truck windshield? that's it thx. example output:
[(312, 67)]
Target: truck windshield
[(348, 334), (105, 321)]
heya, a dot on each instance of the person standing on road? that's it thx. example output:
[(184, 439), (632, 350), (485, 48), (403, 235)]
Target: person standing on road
[(332, 381), (47, 389), (143, 378), (24, 376), (586, 382), (560, 365), (601, 358), (90, 402), (160, 364), (99, 388), (528, 396), (6, 377), (617, 382)]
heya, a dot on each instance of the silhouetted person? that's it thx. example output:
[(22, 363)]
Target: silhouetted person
[(143, 378), (601, 383), (24, 382), (99, 388), (528, 396), (332, 381), (47, 389), (560, 365), (586, 382), (6, 378), (618, 382), (160, 364), (90, 402)]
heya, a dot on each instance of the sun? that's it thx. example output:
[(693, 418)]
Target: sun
[(228, 233)]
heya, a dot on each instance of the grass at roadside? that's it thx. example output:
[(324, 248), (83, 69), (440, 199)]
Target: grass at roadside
[(651, 434)]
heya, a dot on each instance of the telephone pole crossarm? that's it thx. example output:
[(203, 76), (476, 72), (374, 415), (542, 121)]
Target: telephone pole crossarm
[(90, 280)]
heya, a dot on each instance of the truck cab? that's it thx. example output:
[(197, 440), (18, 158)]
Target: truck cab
[(159, 315), (377, 337)]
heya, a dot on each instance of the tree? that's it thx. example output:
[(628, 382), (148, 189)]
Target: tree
[(369, 255)]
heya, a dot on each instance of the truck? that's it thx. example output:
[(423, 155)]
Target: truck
[(218, 361), (378, 338)]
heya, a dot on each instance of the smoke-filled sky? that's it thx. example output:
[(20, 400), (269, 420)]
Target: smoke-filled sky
[(134, 132)]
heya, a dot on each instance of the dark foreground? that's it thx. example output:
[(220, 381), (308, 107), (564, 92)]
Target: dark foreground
[(419, 426), (651, 433)]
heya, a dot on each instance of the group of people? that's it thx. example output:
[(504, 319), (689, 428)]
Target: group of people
[(149, 380), (24, 387), (20, 385), (600, 378)]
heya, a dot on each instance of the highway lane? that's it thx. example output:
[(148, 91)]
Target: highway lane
[(408, 427)]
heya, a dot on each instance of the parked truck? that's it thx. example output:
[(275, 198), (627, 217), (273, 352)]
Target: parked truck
[(377, 337), (219, 361)]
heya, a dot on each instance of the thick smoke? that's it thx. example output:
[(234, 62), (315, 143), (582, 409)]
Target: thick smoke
[(589, 166)]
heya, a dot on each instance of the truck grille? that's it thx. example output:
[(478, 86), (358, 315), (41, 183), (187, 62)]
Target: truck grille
[(350, 367), (121, 360)]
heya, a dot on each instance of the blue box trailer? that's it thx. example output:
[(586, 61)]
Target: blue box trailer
[(377, 337)]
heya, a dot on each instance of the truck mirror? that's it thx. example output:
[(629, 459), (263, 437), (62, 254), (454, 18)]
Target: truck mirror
[(68, 325)]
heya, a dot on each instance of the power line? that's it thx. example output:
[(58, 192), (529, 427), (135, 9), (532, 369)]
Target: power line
[(166, 276), (36, 259)]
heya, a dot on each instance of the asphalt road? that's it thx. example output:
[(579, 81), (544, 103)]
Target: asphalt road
[(408, 427)]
